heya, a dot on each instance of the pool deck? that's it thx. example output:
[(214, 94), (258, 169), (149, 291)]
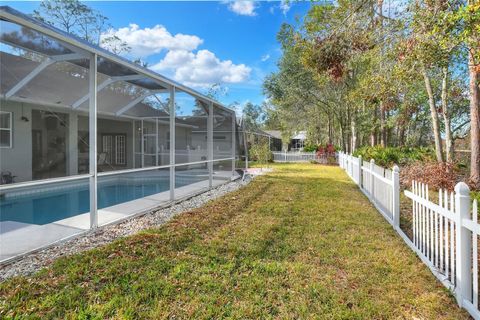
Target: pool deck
[(17, 238)]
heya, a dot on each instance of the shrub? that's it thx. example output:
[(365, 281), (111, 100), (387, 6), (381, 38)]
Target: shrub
[(261, 153), (435, 175), (310, 147), (326, 154), (476, 195), (326, 150), (388, 156)]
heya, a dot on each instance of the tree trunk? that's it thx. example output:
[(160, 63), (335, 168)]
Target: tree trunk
[(446, 116), (401, 135), (354, 135), (373, 133), (330, 131), (474, 122), (383, 133), (342, 135), (383, 126), (434, 115)]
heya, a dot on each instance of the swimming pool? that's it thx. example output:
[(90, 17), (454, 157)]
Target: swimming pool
[(44, 205)]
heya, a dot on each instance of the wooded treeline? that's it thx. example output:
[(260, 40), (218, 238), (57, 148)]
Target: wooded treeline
[(375, 72), (359, 72)]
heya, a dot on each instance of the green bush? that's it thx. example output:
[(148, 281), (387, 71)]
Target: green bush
[(389, 156), (261, 153), (310, 147), (476, 195)]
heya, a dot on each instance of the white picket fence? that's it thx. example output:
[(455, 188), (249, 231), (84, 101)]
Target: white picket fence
[(377, 183), (445, 234), (293, 156)]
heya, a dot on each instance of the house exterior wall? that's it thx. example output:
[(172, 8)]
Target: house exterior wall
[(18, 158), (222, 143), (191, 145), (110, 126)]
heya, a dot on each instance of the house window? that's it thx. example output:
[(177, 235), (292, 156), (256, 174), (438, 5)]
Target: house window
[(5, 129), (114, 151), (120, 149), (107, 147)]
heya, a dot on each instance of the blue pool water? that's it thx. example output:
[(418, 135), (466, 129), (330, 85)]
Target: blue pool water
[(73, 199)]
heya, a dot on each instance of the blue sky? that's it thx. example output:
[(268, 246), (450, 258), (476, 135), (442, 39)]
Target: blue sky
[(202, 42)]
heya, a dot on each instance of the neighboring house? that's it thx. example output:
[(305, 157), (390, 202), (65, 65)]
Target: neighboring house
[(296, 143), (276, 135)]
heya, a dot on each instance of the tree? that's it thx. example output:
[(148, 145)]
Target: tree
[(471, 35), (73, 17), (353, 74), (115, 45), (253, 115), (78, 19), (461, 26), (216, 90)]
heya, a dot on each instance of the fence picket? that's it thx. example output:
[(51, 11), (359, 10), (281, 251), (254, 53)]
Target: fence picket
[(304, 157), (475, 254), (424, 228), (436, 239), (439, 230), (429, 226), (447, 243), (452, 241), (440, 202), (414, 210)]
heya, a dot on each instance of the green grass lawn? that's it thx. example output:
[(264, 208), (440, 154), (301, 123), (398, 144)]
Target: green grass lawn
[(302, 242)]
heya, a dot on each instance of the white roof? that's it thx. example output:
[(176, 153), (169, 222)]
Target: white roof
[(301, 135)]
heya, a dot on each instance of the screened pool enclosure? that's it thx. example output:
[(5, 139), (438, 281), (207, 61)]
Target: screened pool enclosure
[(88, 138)]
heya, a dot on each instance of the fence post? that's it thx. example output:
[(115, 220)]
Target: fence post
[(360, 176), (372, 180), (396, 196), (463, 244)]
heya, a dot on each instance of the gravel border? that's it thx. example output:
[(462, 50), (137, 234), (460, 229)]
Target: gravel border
[(37, 260)]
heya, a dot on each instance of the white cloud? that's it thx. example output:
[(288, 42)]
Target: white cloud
[(182, 60), (243, 7), (265, 57), (149, 41), (285, 6), (201, 69)]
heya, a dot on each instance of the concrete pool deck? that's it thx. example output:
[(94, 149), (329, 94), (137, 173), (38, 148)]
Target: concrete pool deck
[(18, 238)]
